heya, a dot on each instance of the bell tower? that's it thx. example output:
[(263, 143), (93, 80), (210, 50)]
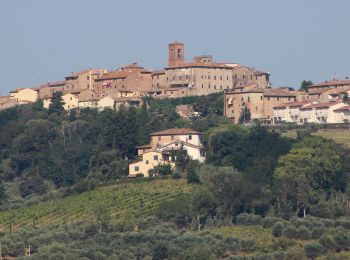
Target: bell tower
[(176, 52)]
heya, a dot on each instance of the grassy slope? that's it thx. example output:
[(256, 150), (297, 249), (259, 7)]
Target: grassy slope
[(341, 137), (140, 199)]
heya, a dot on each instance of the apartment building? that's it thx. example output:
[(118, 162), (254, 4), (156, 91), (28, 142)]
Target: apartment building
[(259, 101)]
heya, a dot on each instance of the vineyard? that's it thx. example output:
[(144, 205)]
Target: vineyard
[(138, 199)]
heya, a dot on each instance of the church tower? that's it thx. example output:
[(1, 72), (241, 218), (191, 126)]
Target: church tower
[(176, 54)]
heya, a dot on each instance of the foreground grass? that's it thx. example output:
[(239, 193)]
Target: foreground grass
[(138, 199), (340, 137)]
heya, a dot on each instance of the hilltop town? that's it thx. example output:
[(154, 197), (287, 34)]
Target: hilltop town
[(243, 86)]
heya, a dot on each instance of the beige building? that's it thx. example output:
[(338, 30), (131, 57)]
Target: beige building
[(82, 80), (150, 160), (331, 84), (342, 114), (48, 89), (70, 101), (158, 80), (260, 102), (243, 75), (311, 112), (163, 144), (131, 80), (117, 102), (7, 102), (24, 95)]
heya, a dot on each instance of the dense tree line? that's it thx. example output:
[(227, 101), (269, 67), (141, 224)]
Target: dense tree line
[(44, 149)]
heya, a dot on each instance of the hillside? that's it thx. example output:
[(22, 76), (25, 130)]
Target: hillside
[(140, 199)]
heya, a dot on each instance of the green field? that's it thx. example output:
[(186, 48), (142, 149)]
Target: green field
[(340, 137), (139, 199)]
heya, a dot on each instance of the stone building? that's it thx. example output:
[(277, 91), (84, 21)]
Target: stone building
[(128, 79), (259, 101), (82, 80)]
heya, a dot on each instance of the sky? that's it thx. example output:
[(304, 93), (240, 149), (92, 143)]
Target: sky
[(44, 41)]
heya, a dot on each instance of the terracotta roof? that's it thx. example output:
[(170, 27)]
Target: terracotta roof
[(320, 105), (317, 91), (257, 90), (291, 104), (278, 93), (199, 65), (331, 83), (62, 82), (157, 72), (259, 73), (176, 131), (119, 74), (344, 108), (77, 74)]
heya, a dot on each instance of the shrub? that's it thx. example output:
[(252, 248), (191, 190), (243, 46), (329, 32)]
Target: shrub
[(313, 250), (342, 239), (268, 222), (277, 229), (317, 232), (247, 245), (303, 233), (291, 232), (248, 219), (295, 254)]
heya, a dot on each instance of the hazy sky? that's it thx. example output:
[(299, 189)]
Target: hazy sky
[(42, 41)]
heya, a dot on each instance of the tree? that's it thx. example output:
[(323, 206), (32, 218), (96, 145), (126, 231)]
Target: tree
[(182, 158), (192, 176), (346, 98), (245, 116), (56, 105), (303, 190), (305, 84)]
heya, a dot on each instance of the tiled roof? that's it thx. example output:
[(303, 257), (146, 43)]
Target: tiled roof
[(199, 65), (259, 73), (77, 74), (176, 131), (343, 108), (278, 93), (157, 72), (58, 83), (291, 104), (118, 74), (331, 83)]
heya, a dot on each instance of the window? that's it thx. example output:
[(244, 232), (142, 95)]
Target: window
[(278, 98), (261, 97), (248, 99), (159, 138), (88, 78), (190, 137), (147, 162), (155, 157), (214, 77), (220, 77), (137, 168), (202, 86)]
